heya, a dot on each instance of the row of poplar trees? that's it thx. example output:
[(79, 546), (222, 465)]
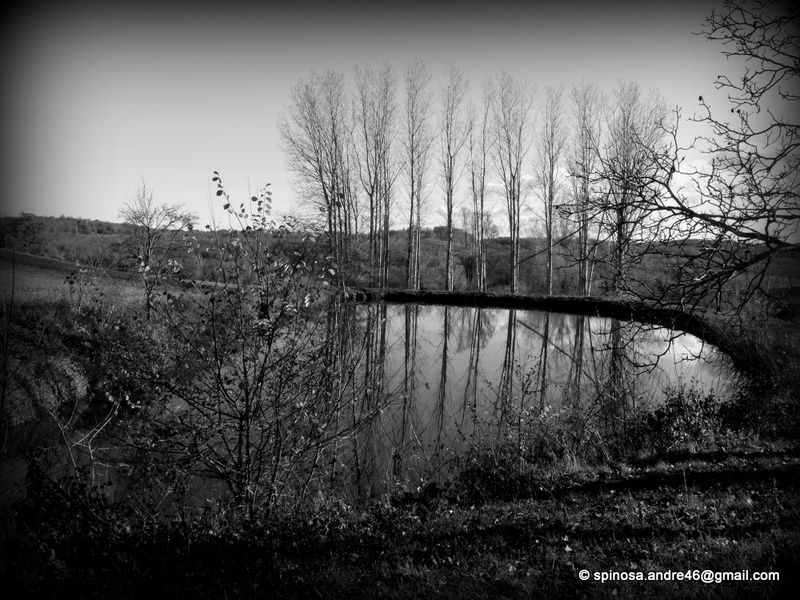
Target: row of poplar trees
[(383, 148)]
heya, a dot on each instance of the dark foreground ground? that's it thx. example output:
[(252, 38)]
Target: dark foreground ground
[(481, 536)]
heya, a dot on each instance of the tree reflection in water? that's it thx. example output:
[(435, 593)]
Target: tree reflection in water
[(441, 380)]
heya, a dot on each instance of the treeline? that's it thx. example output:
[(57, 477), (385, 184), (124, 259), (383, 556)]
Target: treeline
[(28, 225), (388, 147), (86, 241), (114, 246)]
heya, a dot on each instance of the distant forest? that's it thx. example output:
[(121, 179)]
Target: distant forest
[(108, 245)]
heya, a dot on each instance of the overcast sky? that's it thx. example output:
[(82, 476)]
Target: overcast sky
[(98, 98)]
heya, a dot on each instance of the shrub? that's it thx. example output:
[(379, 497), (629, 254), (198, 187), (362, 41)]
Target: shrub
[(687, 421)]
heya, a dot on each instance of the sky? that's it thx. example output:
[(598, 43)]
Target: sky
[(101, 97)]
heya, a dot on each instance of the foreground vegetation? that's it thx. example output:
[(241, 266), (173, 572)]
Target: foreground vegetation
[(475, 539), (696, 484)]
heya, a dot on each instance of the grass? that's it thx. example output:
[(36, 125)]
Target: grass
[(37, 280)]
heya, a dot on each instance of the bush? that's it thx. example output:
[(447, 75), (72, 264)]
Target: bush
[(687, 421)]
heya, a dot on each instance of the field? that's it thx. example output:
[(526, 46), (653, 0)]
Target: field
[(35, 279)]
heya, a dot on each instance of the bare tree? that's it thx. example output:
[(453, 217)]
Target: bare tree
[(454, 136), (740, 210), (549, 151), (479, 144), (582, 165), (512, 140), (418, 141), (635, 135), (315, 136), (375, 133), (157, 230)]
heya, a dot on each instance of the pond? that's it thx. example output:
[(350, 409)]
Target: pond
[(455, 378), (390, 397)]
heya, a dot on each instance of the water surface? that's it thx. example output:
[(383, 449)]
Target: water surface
[(451, 378)]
